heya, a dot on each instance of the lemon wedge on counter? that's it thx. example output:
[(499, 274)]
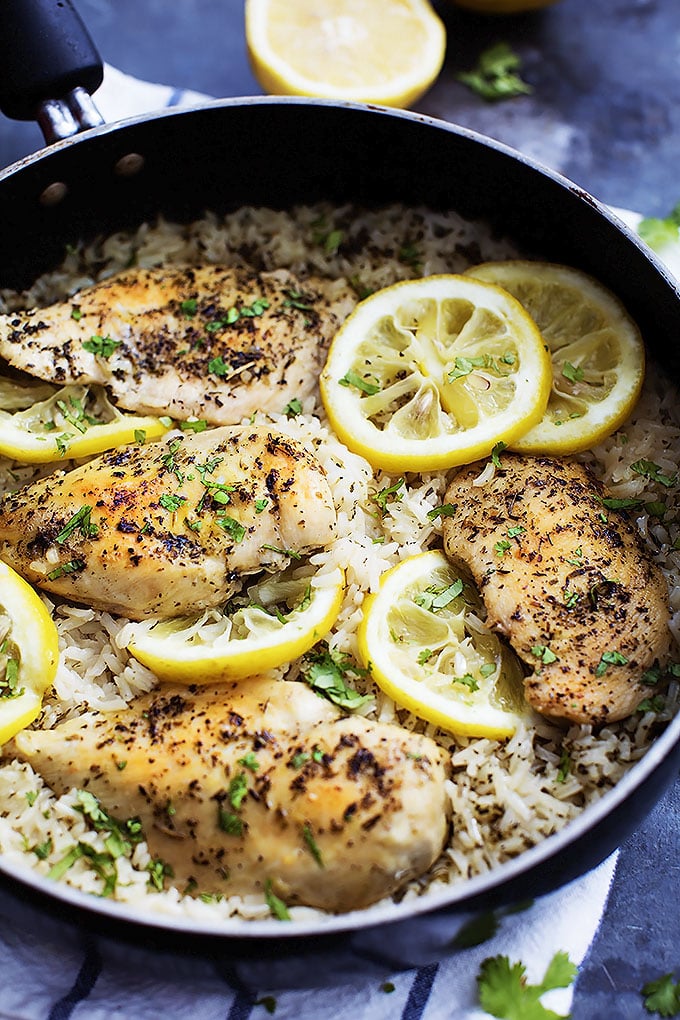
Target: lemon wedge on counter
[(424, 641), (271, 623), (29, 653), (598, 356), (62, 425), (434, 372), (373, 51)]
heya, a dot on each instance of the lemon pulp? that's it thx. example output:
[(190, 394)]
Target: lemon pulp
[(378, 51), (272, 622), (597, 353), (423, 638), (29, 653), (434, 372), (39, 425)]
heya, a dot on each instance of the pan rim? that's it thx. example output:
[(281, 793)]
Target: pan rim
[(457, 894)]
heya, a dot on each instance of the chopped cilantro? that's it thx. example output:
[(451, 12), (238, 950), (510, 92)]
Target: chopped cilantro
[(232, 526), (238, 788), (42, 850), (466, 681), (387, 987), (390, 494), (655, 704), (332, 241), (659, 232), (544, 654), (292, 408), (648, 469), (311, 843), (496, 453), (445, 510), (196, 425), (564, 767), (496, 74), (158, 872), (70, 567), (189, 307), (296, 299), (104, 346), (662, 996), (572, 372), (609, 659), (79, 522), (249, 761), (477, 930), (276, 905), (76, 313), (325, 670), (170, 502), (433, 599), (353, 378), (229, 822), (218, 366), (502, 547), (260, 505), (140, 436), (300, 759), (424, 656), (505, 993)]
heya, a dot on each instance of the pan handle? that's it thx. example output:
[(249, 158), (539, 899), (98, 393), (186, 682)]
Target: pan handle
[(49, 67)]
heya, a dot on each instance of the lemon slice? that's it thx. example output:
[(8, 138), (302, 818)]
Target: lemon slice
[(432, 373), (423, 638), (29, 653), (273, 622), (76, 421), (373, 51), (598, 356)]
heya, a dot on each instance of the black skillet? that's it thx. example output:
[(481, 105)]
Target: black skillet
[(278, 152)]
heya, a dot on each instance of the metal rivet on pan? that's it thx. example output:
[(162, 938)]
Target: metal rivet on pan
[(128, 166), (53, 193)]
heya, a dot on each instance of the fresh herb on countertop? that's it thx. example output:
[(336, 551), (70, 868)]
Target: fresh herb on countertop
[(659, 232), (505, 993), (662, 996), (496, 75)]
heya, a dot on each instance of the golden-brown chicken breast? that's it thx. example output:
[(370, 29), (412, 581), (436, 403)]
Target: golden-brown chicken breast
[(567, 582), (267, 784), (214, 342), (167, 528)]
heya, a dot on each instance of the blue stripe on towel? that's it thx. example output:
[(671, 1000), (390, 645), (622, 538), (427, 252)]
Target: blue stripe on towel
[(175, 97), (419, 995), (242, 1006), (83, 985)]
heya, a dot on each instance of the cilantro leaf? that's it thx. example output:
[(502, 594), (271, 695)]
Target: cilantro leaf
[(496, 74), (325, 671), (505, 993), (662, 996), (659, 232)]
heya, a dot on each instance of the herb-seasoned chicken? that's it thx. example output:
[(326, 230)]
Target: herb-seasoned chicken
[(166, 529), (212, 342), (242, 788), (566, 581)]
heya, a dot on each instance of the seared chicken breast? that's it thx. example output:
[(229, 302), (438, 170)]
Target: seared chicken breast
[(245, 787), (567, 582), (212, 342), (168, 528)]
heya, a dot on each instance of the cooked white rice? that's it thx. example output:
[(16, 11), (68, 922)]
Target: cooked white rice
[(506, 795)]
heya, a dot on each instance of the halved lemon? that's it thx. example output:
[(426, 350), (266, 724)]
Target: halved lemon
[(434, 372), (598, 356), (271, 623), (424, 640), (29, 653), (373, 51), (75, 421)]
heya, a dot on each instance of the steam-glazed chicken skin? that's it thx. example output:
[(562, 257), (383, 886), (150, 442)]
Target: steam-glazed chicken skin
[(213, 342), (267, 785), (167, 528), (567, 582)]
